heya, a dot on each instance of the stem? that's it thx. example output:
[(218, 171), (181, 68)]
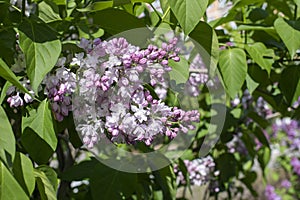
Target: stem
[(157, 13), (65, 160), (244, 21), (23, 9), (161, 19)]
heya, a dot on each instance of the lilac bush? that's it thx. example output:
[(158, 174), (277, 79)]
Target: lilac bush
[(223, 87)]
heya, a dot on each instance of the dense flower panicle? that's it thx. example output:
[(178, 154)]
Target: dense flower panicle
[(270, 193), (200, 171), (291, 128), (17, 98), (90, 133), (286, 184), (295, 163), (59, 89), (112, 75)]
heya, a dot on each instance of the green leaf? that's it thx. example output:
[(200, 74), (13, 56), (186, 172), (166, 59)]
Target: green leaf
[(289, 83), (7, 138), (257, 51), (41, 122), (233, 67), (23, 172), (9, 187), (80, 171), (145, 1), (297, 2), (60, 2), (40, 152), (68, 123), (180, 71), (41, 48), (114, 184), (121, 2), (4, 5), (251, 84), (228, 166), (45, 187), (8, 75), (100, 5), (119, 21), (264, 155), (7, 44), (3, 91), (270, 30), (258, 119), (50, 174), (188, 12), (289, 35), (282, 6), (165, 178), (242, 3), (261, 136), (206, 37), (48, 11)]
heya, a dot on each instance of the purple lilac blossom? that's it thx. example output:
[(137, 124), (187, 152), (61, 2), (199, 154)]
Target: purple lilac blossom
[(59, 88), (270, 193), (16, 98), (200, 171), (111, 76), (286, 184), (291, 128), (295, 163)]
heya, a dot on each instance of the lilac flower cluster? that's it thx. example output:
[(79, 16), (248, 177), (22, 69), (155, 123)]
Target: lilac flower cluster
[(295, 163), (237, 145), (198, 75), (113, 74), (286, 184), (262, 108), (200, 171), (291, 128), (271, 194), (16, 98), (59, 88)]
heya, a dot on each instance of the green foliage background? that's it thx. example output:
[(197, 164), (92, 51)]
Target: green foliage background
[(264, 52)]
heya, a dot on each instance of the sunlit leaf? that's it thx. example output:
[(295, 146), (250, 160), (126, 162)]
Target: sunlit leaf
[(7, 138), (41, 49), (46, 189), (9, 187), (41, 122), (289, 35), (258, 51), (233, 67), (23, 172), (188, 12)]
